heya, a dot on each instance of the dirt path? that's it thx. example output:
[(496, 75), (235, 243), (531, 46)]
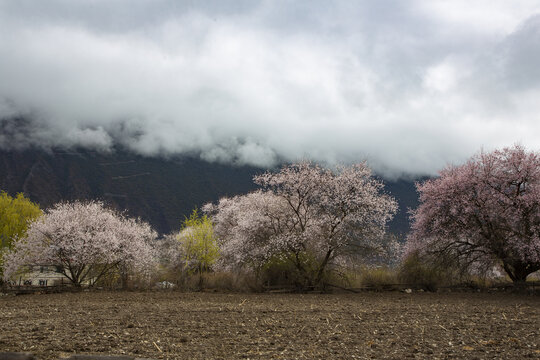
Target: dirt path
[(171, 325)]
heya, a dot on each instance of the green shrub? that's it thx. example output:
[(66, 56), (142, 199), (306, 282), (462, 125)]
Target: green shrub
[(378, 277), (282, 271), (424, 272)]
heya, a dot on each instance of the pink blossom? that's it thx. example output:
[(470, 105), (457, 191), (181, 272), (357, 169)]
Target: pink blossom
[(485, 211)]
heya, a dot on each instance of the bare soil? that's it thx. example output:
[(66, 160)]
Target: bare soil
[(174, 325)]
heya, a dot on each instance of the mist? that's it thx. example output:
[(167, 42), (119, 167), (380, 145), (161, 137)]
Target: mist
[(409, 86)]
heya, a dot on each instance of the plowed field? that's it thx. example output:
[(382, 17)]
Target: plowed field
[(174, 325)]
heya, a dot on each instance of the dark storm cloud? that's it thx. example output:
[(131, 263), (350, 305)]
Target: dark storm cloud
[(410, 86)]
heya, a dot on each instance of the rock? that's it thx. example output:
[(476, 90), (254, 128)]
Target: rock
[(165, 285), (407, 291)]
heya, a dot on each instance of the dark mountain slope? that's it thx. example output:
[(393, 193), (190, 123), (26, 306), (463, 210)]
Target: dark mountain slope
[(157, 190), (160, 191)]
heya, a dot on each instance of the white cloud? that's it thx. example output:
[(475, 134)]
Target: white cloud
[(90, 138), (441, 77), (409, 88), (491, 17)]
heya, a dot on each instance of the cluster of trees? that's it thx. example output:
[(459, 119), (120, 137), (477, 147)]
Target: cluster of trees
[(304, 219)]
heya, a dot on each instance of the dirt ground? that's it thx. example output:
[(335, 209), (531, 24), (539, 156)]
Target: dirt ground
[(174, 325)]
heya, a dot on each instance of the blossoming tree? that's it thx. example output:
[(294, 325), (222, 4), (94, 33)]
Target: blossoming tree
[(484, 212), (86, 241), (15, 214), (305, 211)]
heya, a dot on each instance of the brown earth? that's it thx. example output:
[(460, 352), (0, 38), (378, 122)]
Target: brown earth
[(174, 325)]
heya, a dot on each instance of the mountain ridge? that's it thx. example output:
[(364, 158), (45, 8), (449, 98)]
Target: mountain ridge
[(161, 191)]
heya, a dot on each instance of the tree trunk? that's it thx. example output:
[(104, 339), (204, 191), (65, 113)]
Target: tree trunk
[(322, 268), (308, 281), (201, 280), (518, 271), (125, 280)]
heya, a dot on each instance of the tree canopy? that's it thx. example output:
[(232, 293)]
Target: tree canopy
[(198, 242), (86, 241), (311, 216), (483, 213), (15, 215)]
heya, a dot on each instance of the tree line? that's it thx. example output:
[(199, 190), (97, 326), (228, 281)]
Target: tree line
[(305, 224)]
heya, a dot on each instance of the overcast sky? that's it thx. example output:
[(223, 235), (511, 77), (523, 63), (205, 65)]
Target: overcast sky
[(409, 85)]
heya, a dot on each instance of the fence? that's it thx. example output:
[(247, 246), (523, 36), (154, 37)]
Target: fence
[(531, 286), (33, 289)]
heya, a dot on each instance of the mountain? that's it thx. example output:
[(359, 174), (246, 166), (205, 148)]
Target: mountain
[(158, 190)]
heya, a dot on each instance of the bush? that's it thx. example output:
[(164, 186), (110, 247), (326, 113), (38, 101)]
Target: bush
[(279, 271), (425, 273), (184, 280), (378, 277)]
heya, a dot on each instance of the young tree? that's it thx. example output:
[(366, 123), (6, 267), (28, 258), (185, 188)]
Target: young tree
[(198, 245), (192, 250), (484, 212), (86, 241), (309, 215), (15, 215)]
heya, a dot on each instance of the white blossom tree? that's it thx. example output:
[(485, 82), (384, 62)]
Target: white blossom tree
[(247, 228), (305, 211), (86, 241)]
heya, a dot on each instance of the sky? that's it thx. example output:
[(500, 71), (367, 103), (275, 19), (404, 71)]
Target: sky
[(410, 86)]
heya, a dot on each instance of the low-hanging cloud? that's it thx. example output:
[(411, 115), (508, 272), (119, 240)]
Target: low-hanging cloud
[(410, 88)]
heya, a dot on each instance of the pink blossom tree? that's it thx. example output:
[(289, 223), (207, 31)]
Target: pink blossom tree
[(482, 213), (86, 241), (305, 211)]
